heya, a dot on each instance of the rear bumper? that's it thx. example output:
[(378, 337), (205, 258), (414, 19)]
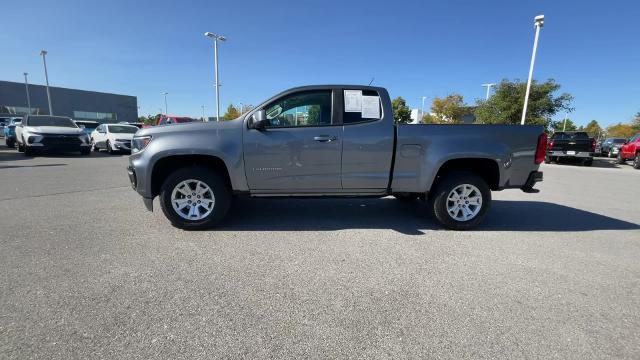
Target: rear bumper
[(577, 154), (534, 177)]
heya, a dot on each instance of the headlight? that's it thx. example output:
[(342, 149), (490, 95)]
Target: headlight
[(139, 143)]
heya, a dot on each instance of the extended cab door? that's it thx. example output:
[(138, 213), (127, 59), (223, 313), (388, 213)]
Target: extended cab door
[(299, 150), (368, 139)]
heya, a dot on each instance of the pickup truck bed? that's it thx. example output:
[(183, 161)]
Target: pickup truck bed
[(575, 145), (320, 141)]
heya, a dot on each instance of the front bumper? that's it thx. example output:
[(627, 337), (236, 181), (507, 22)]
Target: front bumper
[(574, 154), (122, 145), (133, 179)]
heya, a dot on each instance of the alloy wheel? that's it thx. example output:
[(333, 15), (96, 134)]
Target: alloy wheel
[(192, 199), (464, 202)]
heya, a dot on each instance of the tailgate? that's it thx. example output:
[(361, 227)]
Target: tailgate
[(580, 145)]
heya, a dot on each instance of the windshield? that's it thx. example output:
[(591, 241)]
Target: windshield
[(619, 141), (122, 129), (571, 136), (51, 121)]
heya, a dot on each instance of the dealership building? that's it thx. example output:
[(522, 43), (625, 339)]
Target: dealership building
[(76, 104)]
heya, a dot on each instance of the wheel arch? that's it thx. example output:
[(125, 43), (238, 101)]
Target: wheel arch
[(167, 165), (487, 169)]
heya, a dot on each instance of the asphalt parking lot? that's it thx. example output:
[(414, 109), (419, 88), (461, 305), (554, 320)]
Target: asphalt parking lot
[(86, 272)]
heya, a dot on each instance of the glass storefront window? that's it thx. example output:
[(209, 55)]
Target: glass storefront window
[(95, 116)]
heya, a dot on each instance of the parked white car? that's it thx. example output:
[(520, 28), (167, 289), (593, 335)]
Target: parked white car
[(50, 133), (113, 137)]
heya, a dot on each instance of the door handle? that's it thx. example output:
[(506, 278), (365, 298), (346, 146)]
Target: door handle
[(324, 138)]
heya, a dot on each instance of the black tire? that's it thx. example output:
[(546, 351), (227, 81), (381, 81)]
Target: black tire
[(588, 162), (109, 149), (28, 151), (620, 160), (85, 151), (218, 186), (20, 147), (405, 196), (10, 143), (438, 200), (636, 161)]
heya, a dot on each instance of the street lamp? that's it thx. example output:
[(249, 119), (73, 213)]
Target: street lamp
[(241, 108), (26, 87), (488, 89), (215, 64), (46, 77), (203, 117), (166, 112), (538, 22), (422, 110)]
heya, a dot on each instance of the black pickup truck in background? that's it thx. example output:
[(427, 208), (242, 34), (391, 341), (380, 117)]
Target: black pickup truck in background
[(571, 145)]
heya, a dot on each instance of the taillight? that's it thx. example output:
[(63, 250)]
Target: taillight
[(593, 145), (541, 150), (551, 144)]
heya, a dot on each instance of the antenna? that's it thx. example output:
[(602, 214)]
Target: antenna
[(370, 82)]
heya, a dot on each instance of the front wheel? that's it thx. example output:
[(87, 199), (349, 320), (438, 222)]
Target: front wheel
[(20, 147), (194, 198), (460, 201), (109, 148), (636, 161)]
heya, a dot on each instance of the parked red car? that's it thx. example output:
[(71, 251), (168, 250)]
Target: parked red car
[(170, 119), (630, 150)]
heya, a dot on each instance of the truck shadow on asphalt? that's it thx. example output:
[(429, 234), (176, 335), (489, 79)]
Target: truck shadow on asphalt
[(407, 218)]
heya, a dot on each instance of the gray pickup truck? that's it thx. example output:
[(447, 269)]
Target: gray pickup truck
[(331, 141)]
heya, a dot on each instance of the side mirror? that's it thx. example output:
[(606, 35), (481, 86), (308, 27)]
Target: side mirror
[(259, 120), (82, 127)]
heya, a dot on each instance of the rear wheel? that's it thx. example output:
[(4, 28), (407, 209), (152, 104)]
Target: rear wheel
[(460, 201), (195, 198), (636, 161)]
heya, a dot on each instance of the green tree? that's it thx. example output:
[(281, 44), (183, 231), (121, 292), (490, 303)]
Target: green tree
[(560, 125), (149, 120), (593, 128), (505, 106), (621, 130), (401, 112), (447, 110), (636, 121), (232, 113)]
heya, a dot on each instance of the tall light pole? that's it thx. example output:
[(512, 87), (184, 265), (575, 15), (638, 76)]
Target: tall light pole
[(215, 64), (166, 112), (203, 117), (46, 77), (241, 108), (26, 87), (564, 126), (538, 22), (422, 109), (488, 89)]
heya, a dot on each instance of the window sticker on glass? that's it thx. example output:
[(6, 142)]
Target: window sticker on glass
[(371, 107), (353, 100)]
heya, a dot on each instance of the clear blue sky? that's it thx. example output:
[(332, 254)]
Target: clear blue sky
[(414, 48)]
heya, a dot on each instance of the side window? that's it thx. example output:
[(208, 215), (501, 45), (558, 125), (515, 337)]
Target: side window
[(349, 117), (309, 108)]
